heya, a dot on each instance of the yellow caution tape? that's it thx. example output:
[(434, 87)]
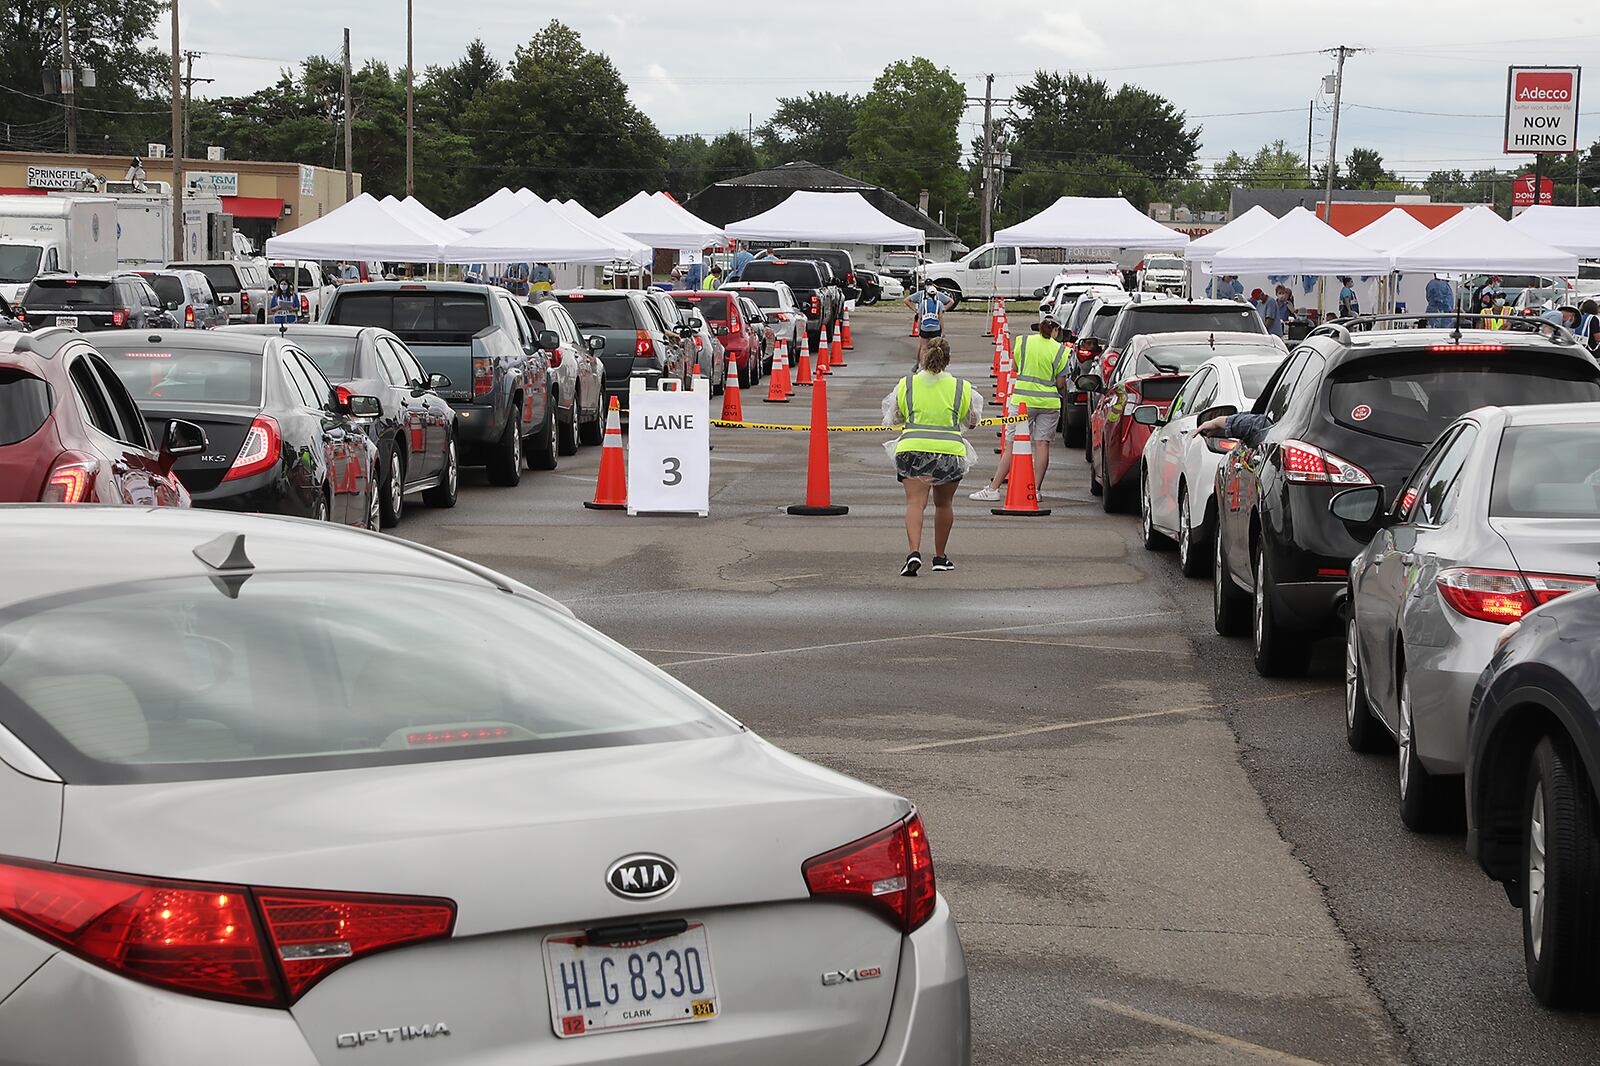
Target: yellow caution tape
[(721, 424)]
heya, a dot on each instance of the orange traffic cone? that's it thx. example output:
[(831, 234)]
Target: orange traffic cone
[(803, 374), (778, 388), (824, 361), (732, 407), (1002, 386), (848, 345), (999, 350), (817, 484), (611, 492), (1022, 498), (836, 355), (994, 317)]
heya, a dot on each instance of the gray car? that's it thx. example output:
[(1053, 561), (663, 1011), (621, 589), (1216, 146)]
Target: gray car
[(317, 791), (1501, 515), (188, 295)]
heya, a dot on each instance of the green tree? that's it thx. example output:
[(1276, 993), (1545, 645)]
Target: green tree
[(815, 127), (686, 168), (730, 155), (906, 138), (1364, 167), (1274, 166), (447, 91), (1072, 118)]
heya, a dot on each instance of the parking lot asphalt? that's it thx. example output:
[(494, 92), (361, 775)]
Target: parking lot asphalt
[(1153, 854)]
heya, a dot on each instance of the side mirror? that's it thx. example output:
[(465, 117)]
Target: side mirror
[(438, 382), (1220, 411), (1038, 294), (1089, 383), (179, 439), (549, 340), (364, 407), (171, 305), (1147, 414), (1361, 510), (688, 331), (597, 344)]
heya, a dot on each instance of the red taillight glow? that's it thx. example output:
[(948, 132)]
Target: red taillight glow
[(69, 483), (816, 304), (458, 736), (259, 452), (1466, 348), (482, 376), (205, 939), (1306, 464), (890, 871), (119, 318), (342, 395), (244, 300), (188, 315), (554, 358), (305, 306), (1502, 595), (642, 348)]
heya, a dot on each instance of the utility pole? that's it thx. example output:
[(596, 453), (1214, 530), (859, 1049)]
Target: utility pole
[(1311, 111), (349, 171), (411, 182), (188, 95), (1333, 135), (178, 248), (69, 80), (987, 208)]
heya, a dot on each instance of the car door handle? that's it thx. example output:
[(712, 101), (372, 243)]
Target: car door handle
[(1165, 439), (1184, 432)]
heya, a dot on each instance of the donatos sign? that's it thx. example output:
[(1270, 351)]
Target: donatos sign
[(1542, 109)]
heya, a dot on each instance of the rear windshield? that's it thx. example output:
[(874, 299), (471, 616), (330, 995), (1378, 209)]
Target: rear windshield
[(335, 355), (1413, 399), (223, 277), (1104, 319), (169, 288), (710, 308), (1179, 318), (763, 298), (68, 293), (285, 273), (299, 673), (25, 403), (600, 312), (798, 275), (1173, 358), (173, 374), (1548, 472), (1080, 312), (1254, 377), (420, 316)]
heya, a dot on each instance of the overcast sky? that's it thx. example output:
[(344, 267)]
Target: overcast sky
[(1429, 92)]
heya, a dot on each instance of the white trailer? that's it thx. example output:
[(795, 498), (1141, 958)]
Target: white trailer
[(44, 234), (144, 223)]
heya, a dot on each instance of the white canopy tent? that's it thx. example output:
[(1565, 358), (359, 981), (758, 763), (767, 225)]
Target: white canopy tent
[(1390, 230), (412, 212), (538, 233), (639, 253), (657, 222), (842, 217), (496, 207), (1569, 229), (1248, 226), (1300, 243), (1479, 240), (1092, 222), (360, 229)]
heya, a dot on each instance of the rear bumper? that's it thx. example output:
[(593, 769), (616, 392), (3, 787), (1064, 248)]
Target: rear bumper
[(1442, 680), (931, 1021), (262, 494), (478, 423)]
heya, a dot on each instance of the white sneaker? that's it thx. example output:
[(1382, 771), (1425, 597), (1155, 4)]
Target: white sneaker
[(986, 494)]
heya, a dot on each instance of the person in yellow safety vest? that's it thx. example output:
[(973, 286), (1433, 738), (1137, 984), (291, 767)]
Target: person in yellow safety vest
[(931, 455), (1497, 315), (1041, 365), (713, 279)]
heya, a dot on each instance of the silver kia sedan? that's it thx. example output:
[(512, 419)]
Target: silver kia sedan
[(1501, 516), (277, 792)]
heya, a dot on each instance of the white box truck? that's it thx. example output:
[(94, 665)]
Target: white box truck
[(144, 223), (42, 234)]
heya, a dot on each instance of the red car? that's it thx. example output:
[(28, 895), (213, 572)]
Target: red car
[(70, 433), (727, 320)]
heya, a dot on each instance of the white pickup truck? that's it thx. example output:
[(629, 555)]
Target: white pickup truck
[(315, 288), (991, 270)]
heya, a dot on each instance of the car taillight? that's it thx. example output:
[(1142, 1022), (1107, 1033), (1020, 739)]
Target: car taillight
[(850, 278), (244, 300), (1108, 364), (554, 359), (890, 871), (733, 324), (341, 395), (816, 304), (1306, 464), (642, 348), (205, 939), (305, 306), (119, 318), (783, 316), (482, 375), (188, 315), (1501, 595), (260, 450), (69, 483), (1466, 348)]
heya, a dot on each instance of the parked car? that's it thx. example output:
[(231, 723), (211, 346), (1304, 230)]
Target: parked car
[(1088, 348), (478, 337), (839, 261), (415, 431), (1179, 465), (1146, 314), (1057, 300), (1162, 273), (685, 328), (720, 311), (904, 267), (1501, 515), (306, 279), (764, 339), (1533, 745), (94, 301), (805, 280), (578, 375), (279, 439), (784, 313), (10, 320), (242, 285), (1348, 409), (868, 285), (636, 338), (1074, 314), (70, 433), (188, 296)]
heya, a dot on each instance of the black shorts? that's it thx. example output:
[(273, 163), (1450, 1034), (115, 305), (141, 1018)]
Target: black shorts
[(929, 334)]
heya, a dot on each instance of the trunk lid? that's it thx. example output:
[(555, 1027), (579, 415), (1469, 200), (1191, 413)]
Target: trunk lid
[(226, 426), (1566, 546), (453, 360)]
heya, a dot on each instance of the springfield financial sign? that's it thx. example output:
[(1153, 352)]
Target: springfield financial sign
[(1542, 110)]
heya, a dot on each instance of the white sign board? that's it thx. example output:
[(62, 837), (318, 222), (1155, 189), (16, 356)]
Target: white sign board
[(58, 177), (308, 181), (669, 449), (1542, 110), (215, 183)]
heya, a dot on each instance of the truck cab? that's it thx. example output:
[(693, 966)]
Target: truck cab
[(991, 270)]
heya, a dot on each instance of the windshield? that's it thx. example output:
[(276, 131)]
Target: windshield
[(1173, 358), (798, 275), (294, 672), (1163, 263), (25, 403), (1104, 318), (222, 276), (286, 273), (419, 316), (599, 312), (1548, 472), (336, 356), (173, 374), (18, 262), (68, 294), (710, 308)]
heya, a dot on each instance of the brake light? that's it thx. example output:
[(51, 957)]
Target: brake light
[(850, 278), (341, 396), (205, 939), (260, 450), (188, 315), (119, 318), (642, 348), (69, 483), (244, 300), (890, 871), (482, 375), (305, 306), (733, 324), (413, 288), (457, 736), (1501, 596), (1466, 348), (816, 304), (554, 359), (1306, 464)]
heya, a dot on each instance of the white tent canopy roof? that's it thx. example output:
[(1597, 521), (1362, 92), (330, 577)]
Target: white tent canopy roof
[(416, 215), (1479, 240), (1300, 243), (660, 223), (639, 254), (1570, 229), (538, 233), (843, 217), (1390, 230), (360, 229), (1092, 222), (1247, 226), (496, 207)]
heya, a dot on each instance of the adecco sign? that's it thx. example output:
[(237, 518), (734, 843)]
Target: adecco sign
[(1542, 109)]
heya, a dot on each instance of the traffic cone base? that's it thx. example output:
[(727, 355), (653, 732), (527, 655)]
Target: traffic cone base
[(818, 488), (611, 491)]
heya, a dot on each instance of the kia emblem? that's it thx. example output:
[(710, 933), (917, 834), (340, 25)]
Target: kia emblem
[(643, 876)]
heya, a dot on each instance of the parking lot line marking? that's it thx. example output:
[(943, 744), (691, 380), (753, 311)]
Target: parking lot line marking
[(1068, 644), (1060, 726), (1220, 1039)]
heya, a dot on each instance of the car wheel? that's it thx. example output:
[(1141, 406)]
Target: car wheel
[(1072, 432), (374, 520), (393, 489), (1362, 730), (567, 433), (1154, 540), (1227, 602), (1560, 925), (322, 511), (1110, 498), (1194, 555), (444, 493), (544, 453), (505, 463), (1279, 652), (747, 373), (1428, 802), (593, 431)]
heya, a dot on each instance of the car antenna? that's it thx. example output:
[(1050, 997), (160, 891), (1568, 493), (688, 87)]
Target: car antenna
[(283, 329), (1213, 340), (225, 555), (1456, 336)]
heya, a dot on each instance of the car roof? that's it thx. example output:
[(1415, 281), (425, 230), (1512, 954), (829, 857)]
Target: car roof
[(64, 276), (205, 340), (1340, 345), (1551, 414), (414, 286), (41, 343), (302, 329), (599, 292)]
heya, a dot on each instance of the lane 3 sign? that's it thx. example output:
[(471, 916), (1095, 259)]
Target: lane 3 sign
[(669, 449)]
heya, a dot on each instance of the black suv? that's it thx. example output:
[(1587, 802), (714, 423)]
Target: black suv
[(94, 301), (808, 279), (839, 260), (1356, 408)]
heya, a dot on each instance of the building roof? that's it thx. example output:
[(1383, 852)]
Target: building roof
[(750, 194), (1281, 201)]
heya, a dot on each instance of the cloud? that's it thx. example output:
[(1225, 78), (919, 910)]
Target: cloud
[(1067, 33)]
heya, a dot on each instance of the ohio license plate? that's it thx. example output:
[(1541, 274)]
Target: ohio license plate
[(597, 988), (69, 321)]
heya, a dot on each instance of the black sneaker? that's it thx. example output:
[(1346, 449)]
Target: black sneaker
[(942, 564), (913, 564)]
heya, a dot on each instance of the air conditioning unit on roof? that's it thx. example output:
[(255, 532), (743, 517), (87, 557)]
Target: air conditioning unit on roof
[(155, 151)]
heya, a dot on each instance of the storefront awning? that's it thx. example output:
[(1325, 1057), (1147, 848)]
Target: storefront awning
[(253, 206)]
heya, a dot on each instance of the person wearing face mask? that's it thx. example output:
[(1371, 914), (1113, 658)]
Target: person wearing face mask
[(929, 307), (283, 307)]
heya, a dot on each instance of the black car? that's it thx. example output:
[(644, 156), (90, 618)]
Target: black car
[(1356, 408), (416, 430), (280, 439), (94, 301), (636, 337), (9, 322), (806, 279), (839, 261), (1532, 775), (869, 285)]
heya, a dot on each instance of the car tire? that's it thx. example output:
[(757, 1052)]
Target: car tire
[(1072, 428), (567, 432), (867, 299), (1429, 803), (1110, 497), (392, 493), (593, 431), (374, 519), (1362, 730), (505, 461), (1278, 651), (951, 290), (1194, 545), (1561, 864), (1154, 539), (323, 511), (443, 494), (1229, 606), (746, 373), (545, 453), (1095, 487)]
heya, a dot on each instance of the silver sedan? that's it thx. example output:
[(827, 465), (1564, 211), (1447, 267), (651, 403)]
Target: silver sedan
[(272, 791), (1502, 515)]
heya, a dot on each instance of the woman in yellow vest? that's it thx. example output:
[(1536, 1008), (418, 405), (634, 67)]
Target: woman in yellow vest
[(931, 456)]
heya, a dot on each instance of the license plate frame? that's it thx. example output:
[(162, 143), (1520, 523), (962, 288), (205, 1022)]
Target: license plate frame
[(69, 321), (576, 968)]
